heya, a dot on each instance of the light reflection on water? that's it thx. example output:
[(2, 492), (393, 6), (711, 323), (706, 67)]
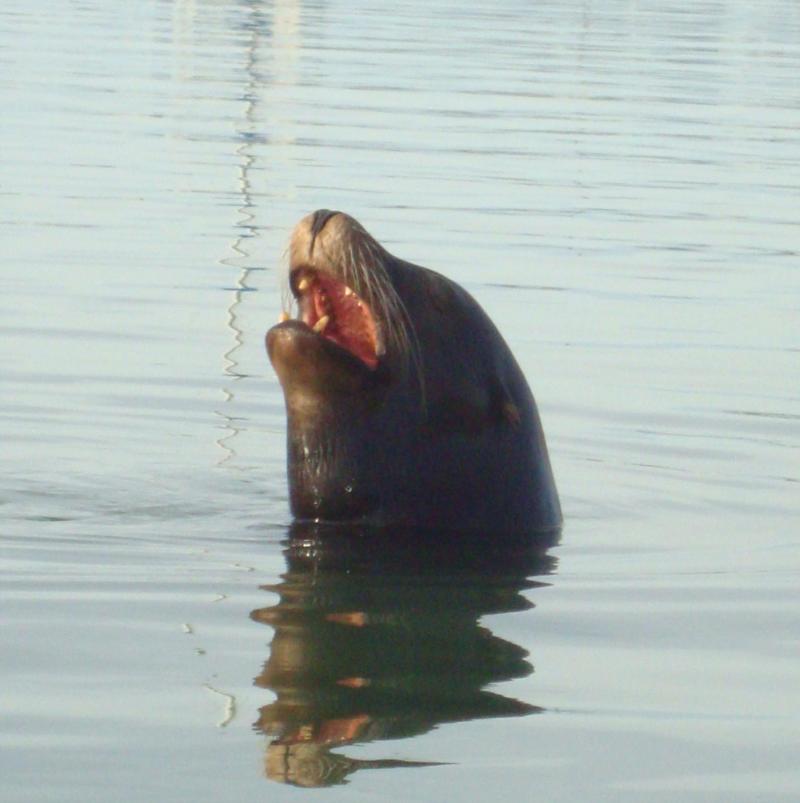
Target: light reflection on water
[(617, 184)]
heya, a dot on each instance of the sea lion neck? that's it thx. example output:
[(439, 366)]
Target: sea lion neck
[(335, 440)]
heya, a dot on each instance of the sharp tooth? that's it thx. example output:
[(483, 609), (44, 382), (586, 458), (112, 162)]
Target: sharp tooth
[(303, 284), (320, 325), (348, 291), (284, 317)]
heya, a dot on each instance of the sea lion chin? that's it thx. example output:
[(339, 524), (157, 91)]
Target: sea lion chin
[(405, 406)]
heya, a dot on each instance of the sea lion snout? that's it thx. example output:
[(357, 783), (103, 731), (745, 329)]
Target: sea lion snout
[(318, 221)]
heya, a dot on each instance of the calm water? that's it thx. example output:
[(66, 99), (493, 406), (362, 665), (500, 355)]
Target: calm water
[(618, 183)]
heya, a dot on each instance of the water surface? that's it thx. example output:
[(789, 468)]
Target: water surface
[(616, 183)]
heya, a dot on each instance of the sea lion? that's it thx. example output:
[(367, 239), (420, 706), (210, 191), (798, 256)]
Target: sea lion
[(405, 406)]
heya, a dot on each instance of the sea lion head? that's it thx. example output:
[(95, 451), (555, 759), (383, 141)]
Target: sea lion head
[(352, 325), (402, 398)]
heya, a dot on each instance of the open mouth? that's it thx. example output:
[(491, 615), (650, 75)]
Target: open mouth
[(336, 312)]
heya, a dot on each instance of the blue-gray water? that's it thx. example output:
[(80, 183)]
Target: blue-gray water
[(618, 183)]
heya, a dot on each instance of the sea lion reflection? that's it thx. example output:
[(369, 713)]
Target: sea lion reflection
[(377, 637)]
